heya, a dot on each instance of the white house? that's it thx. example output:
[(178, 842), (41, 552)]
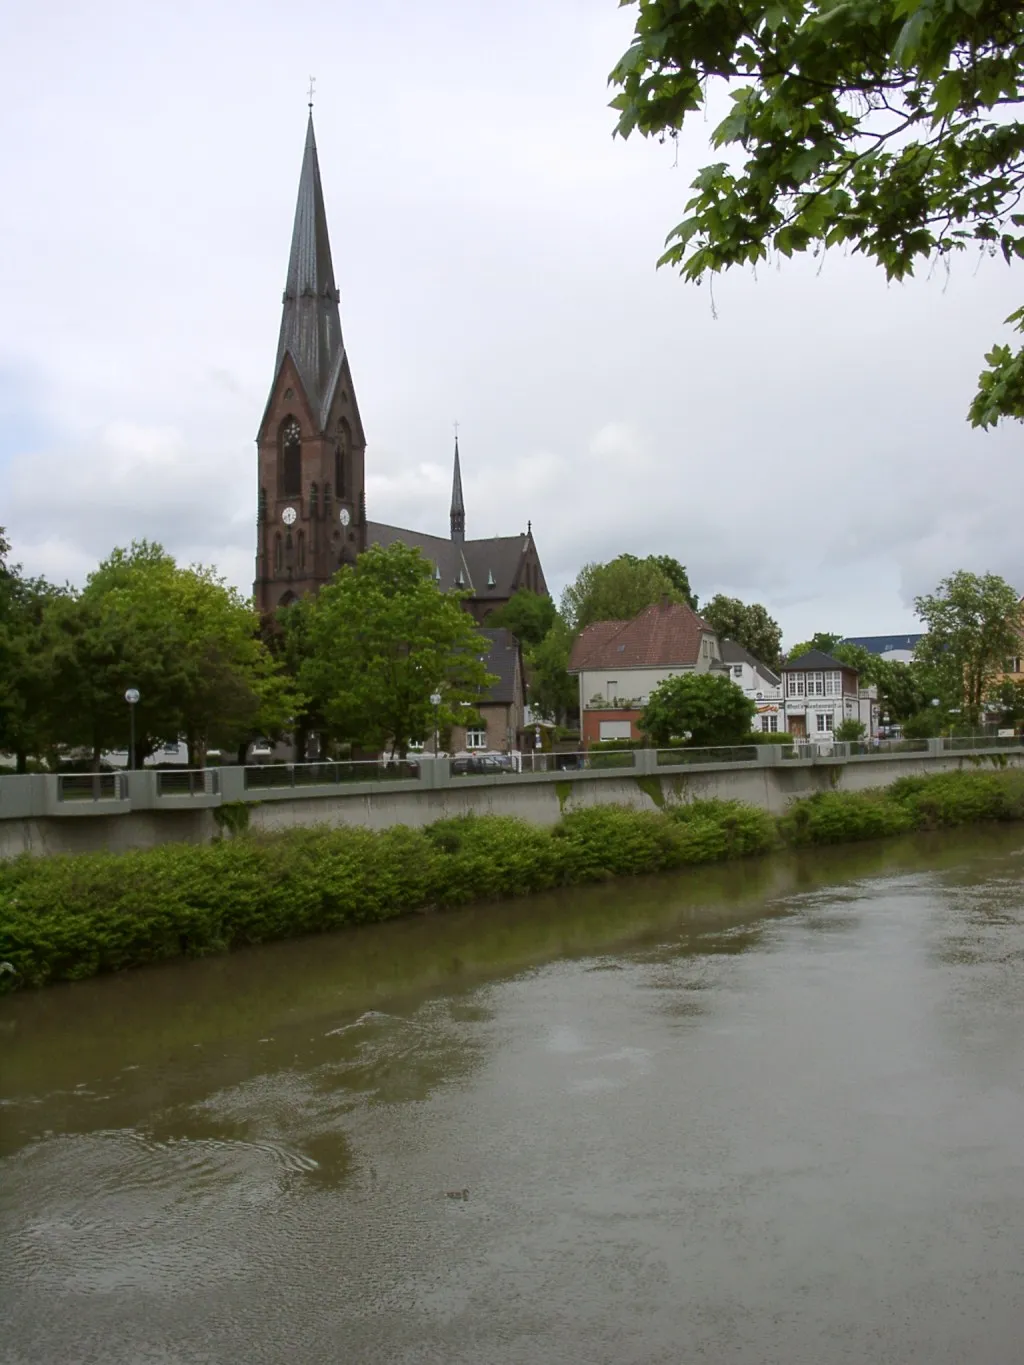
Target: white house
[(619, 663), (821, 692), (756, 681)]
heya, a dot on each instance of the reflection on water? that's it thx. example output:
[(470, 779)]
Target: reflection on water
[(769, 1113)]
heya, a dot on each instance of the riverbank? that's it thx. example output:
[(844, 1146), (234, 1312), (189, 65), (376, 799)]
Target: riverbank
[(67, 918)]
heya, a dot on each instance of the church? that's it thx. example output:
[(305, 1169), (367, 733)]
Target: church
[(312, 513)]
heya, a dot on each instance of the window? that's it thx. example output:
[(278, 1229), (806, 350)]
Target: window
[(704, 646), (795, 684), (342, 452), (769, 725), (278, 554), (833, 685), (1012, 666), (476, 739), (737, 670), (291, 459), (616, 729), (302, 549), (824, 721), (611, 688)]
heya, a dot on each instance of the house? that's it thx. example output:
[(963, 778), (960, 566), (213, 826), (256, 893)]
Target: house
[(822, 692), (756, 681), (619, 663), (502, 709), (898, 649)]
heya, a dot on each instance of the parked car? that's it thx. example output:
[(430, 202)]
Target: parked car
[(481, 764)]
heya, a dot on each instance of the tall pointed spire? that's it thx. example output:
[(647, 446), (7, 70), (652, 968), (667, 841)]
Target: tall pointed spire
[(311, 319), (458, 509)]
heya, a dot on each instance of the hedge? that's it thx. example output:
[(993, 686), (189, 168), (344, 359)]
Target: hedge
[(65, 918)]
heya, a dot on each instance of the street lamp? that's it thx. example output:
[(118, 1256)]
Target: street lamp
[(435, 701), (131, 697)]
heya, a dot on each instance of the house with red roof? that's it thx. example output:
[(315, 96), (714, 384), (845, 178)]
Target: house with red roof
[(619, 663)]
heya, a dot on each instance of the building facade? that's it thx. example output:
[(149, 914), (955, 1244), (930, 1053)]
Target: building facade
[(618, 664), (311, 452), (756, 681), (820, 693)]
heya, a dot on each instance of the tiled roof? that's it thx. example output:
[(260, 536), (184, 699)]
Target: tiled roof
[(815, 659), (664, 634), (443, 554), (502, 659)]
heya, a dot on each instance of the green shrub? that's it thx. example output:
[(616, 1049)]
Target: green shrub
[(838, 817), (65, 918)]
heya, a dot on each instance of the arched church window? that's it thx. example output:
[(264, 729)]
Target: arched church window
[(302, 549), (278, 553), (291, 459), (342, 461)]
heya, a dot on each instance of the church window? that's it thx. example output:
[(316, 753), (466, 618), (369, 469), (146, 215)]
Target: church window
[(291, 459), (342, 462), (278, 554), (302, 549)]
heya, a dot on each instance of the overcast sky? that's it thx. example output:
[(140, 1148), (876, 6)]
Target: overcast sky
[(495, 251)]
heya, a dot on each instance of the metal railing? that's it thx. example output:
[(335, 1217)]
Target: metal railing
[(581, 760), (187, 782), (955, 743), (724, 753), (866, 748), (92, 787), (329, 773)]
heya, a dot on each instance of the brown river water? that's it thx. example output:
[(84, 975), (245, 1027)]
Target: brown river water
[(769, 1114)]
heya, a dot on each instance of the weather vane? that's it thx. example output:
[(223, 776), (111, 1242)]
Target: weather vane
[(309, 92)]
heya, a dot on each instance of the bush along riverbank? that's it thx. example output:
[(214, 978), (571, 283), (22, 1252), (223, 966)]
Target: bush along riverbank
[(66, 918)]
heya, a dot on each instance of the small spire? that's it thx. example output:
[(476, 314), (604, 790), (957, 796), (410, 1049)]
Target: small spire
[(458, 508)]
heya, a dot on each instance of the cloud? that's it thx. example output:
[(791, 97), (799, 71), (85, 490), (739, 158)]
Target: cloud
[(800, 442)]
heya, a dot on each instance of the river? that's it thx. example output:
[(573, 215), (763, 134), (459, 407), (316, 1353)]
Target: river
[(768, 1114)]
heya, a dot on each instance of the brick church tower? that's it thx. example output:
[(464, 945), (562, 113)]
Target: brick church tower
[(311, 446)]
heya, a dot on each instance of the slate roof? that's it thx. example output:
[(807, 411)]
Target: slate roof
[(457, 511), (502, 658), (499, 558), (310, 317), (815, 659), (663, 634), (478, 561), (884, 644), (734, 653)]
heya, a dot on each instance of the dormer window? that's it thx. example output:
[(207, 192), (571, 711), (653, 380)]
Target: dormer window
[(490, 579)]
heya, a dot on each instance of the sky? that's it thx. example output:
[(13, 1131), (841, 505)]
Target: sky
[(798, 439)]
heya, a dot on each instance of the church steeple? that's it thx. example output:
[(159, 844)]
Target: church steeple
[(458, 508), (311, 318), (311, 447)]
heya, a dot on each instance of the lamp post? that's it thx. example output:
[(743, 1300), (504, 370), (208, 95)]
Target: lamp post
[(435, 701), (131, 697)]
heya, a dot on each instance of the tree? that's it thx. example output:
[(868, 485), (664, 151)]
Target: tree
[(26, 663), (674, 572), (750, 627), (822, 640), (552, 690), (185, 640), (850, 729), (705, 706), (974, 624), (617, 591), (884, 125), (528, 615), (382, 640), (1008, 698)]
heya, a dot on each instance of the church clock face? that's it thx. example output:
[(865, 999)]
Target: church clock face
[(288, 516), (344, 516)]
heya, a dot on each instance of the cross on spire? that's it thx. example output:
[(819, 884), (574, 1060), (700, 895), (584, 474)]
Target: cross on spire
[(311, 91)]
